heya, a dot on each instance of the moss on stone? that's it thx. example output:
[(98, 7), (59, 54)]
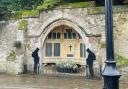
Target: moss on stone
[(22, 24), (103, 45), (30, 13), (101, 10), (121, 61), (96, 10), (11, 56), (17, 15), (120, 8), (81, 4), (53, 3), (25, 13), (90, 5)]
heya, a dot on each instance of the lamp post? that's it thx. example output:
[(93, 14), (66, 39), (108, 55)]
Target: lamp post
[(110, 73)]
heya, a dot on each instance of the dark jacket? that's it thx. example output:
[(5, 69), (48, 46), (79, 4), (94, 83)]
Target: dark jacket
[(91, 57), (36, 56)]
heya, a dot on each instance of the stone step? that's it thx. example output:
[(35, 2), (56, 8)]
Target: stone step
[(35, 88), (28, 88)]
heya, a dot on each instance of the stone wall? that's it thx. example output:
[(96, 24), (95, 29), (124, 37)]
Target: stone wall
[(90, 26), (8, 35), (120, 31)]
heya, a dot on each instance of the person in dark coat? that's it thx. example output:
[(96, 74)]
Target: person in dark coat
[(89, 61), (36, 59)]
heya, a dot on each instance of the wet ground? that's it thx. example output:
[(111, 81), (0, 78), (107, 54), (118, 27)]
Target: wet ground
[(47, 82)]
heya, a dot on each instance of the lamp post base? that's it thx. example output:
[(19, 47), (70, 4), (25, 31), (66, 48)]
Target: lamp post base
[(111, 76)]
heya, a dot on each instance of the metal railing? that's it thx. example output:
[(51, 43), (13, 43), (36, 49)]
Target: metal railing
[(80, 72)]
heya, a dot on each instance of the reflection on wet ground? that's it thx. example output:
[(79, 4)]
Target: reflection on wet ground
[(47, 82)]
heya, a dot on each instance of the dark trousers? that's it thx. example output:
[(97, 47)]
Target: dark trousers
[(35, 67), (90, 70)]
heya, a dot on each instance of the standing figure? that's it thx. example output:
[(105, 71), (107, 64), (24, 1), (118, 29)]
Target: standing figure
[(36, 59), (89, 62)]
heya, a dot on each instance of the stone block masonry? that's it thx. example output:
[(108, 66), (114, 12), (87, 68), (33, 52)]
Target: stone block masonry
[(87, 25)]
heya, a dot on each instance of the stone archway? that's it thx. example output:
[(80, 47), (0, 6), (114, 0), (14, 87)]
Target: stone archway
[(65, 22)]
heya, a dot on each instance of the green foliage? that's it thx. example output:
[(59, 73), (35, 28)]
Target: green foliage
[(17, 15), (67, 64), (19, 8), (49, 4), (81, 4), (103, 45), (4, 5), (52, 3), (27, 7), (121, 61), (27, 4), (17, 5), (22, 24), (11, 56)]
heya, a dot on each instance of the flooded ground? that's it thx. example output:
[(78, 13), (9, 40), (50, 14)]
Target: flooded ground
[(47, 82)]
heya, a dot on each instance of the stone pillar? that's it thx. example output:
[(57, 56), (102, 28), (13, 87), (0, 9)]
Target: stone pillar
[(25, 49)]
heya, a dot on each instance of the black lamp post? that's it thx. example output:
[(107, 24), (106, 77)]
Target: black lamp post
[(110, 73)]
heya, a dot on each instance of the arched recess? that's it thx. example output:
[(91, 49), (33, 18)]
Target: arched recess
[(69, 23)]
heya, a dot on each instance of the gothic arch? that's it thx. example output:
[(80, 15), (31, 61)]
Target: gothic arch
[(65, 22)]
